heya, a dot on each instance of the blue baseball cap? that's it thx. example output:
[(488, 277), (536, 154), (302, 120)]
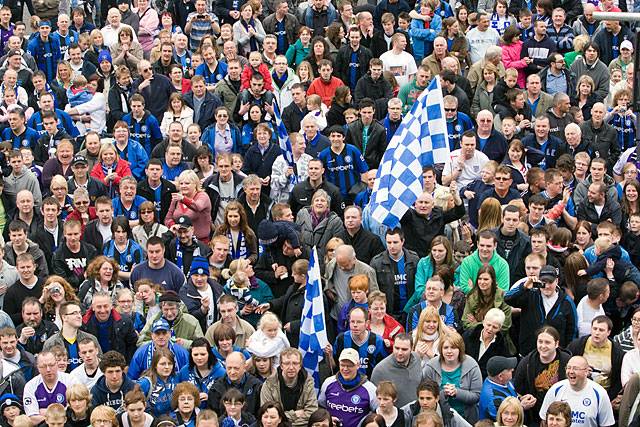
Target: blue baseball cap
[(160, 325)]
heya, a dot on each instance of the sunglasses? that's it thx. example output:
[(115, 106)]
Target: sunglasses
[(450, 110)]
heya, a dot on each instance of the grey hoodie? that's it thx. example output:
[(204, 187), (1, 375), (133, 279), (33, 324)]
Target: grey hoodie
[(409, 376), (580, 193), (26, 181), (42, 269)]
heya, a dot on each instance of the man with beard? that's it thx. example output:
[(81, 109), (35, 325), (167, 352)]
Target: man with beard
[(34, 330)]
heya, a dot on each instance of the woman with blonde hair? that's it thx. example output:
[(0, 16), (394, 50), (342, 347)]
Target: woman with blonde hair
[(428, 333), (192, 202), (460, 375), (330, 248), (510, 413), (60, 191), (177, 111), (79, 405), (318, 223), (490, 214), (585, 96), (258, 289), (64, 75), (110, 168), (55, 291), (579, 42)]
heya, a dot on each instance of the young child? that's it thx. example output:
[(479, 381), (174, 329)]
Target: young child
[(269, 339), (236, 164), (234, 411), (10, 408), (510, 80), (476, 188), (240, 287), (350, 115), (77, 93), (226, 34), (509, 129), (359, 288), (404, 20), (615, 77), (255, 65), (318, 110), (55, 415), (524, 24), (631, 239), (387, 395), (591, 305), (62, 359), (27, 160), (609, 256)]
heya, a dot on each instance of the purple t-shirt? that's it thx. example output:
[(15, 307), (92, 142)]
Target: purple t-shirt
[(349, 406), (37, 396)]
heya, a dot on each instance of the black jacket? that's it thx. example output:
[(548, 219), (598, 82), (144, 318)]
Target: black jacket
[(376, 144), (211, 186), (192, 300), (385, 273), (519, 250), (302, 192), (562, 316), (602, 142), (379, 91), (576, 347), (420, 231), (343, 58), (187, 252), (568, 75), (273, 255), (117, 110), (207, 110), (41, 152), (258, 163), (92, 235), (123, 336), (94, 187), (611, 211), (46, 243), (604, 39), (472, 347), (249, 386), (292, 115), (69, 265), (366, 244), (289, 307), (262, 212), (168, 188), (44, 331)]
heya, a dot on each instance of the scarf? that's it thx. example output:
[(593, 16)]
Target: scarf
[(253, 282), (349, 384), (317, 219), (252, 40), (280, 81), (179, 260), (77, 96), (289, 395), (106, 171), (430, 337), (239, 249)]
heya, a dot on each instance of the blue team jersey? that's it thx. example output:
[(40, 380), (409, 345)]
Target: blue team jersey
[(132, 213), (371, 351), (343, 169), (28, 138)]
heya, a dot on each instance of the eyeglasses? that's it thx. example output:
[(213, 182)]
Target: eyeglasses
[(73, 313), (575, 368), (502, 178), (146, 70), (81, 202), (450, 110), (635, 321), (146, 211)]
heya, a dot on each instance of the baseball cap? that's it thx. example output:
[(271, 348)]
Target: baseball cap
[(548, 273), (497, 364), (45, 23), (184, 222), (79, 159), (351, 355), (160, 325), (626, 45)]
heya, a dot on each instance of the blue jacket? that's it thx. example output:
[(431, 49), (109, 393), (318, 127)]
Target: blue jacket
[(209, 138), (447, 313), (136, 156), (65, 122), (146, 132), (47, 55), (496, 146), (29, 138), (552, 149), (191, 375), (159, 395), (422, 38), (142, 359), (207, 110), (491, 397), (101, 395), (255, 162)]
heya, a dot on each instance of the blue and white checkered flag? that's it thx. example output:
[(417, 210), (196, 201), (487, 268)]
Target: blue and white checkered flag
[(421, 140), (313, 331), (283, 136)]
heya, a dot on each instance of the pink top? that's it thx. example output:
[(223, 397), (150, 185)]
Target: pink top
[(197, 209), (511, 59)]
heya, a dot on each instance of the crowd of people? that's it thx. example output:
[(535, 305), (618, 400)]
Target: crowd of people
[(156, 238)]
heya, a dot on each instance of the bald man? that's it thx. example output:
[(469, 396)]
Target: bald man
[(236, 377), (589, 402), (155, 88)]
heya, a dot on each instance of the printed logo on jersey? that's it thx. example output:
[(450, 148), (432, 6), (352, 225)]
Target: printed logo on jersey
[(355, 399), (586, 401), (371, 349)]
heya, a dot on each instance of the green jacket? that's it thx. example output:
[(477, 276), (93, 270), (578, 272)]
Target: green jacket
[(185, 326), (296, 54), (471, 307), (471, 265), (408, 94)]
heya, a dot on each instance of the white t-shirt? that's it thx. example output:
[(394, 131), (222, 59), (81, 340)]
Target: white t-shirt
[(585, 316), (79, 375), (590, 407), (479, 41), (401, 66), (471, 170)]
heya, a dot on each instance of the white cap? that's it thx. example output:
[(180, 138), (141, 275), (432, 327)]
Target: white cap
[(626, 45)]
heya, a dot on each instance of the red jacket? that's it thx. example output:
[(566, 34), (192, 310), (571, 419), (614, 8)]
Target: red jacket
[(324, 89), (75, 214), (122, 170), (245, 77), (391, 329)]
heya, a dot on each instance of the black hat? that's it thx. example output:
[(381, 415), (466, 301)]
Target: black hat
[(184, 222), (78, 159), (169, 296), (549, 273), (497, 364)]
